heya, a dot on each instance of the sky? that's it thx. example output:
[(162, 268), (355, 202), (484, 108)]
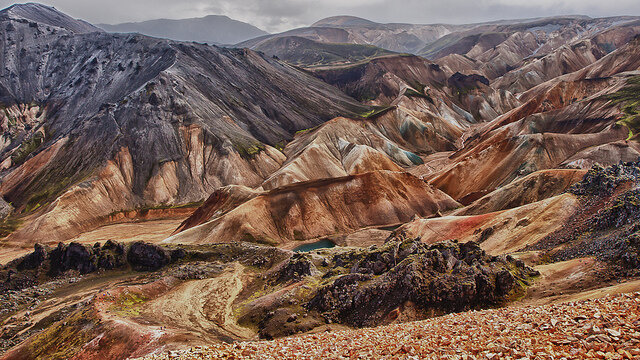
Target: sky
[(280, 15)]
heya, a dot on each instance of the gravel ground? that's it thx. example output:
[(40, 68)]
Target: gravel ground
[(606, 328)]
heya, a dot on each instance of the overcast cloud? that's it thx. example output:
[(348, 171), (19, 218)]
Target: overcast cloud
[(280, 15)]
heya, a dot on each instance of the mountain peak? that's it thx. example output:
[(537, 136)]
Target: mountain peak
[(343, 21), (48, 15)]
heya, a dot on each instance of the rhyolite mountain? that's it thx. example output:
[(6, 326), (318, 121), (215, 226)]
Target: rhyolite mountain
[(94, 123), (529, 53), (503, 170), (211, 29)]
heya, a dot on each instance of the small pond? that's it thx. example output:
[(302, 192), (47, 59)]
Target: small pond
[(322, 244)]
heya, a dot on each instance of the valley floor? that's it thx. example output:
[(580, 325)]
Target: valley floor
[(605, 328)]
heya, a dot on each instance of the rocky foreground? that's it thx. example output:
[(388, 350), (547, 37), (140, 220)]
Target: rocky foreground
[(606, 328)]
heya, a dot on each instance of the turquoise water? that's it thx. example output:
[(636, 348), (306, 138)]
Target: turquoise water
[(322, 244)]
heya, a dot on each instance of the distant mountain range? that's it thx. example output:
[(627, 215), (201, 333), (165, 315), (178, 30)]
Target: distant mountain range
[(212, 29)]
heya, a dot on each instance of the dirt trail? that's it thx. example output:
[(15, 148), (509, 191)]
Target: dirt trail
[(203, 306)]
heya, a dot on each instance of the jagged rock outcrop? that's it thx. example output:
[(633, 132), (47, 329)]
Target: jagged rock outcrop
[(602, 181), (365, 287), (45, 262), (607, 225)]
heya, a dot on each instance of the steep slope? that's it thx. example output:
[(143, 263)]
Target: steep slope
[(565, 60), (212, 29), (595, 218), (449, 95), (220, 202), (501, 232), (534, 187), (337, 148), (159, 122), (559, 121), (315, 209), (418, 116), (606, 224)]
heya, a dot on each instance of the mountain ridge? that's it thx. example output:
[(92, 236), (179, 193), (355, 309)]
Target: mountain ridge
[(213, 29)]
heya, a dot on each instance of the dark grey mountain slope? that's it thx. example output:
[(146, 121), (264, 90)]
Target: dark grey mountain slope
[(212, 29), (139, 121)]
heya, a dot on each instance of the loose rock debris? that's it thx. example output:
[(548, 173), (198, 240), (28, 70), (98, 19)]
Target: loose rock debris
[(606, 328)]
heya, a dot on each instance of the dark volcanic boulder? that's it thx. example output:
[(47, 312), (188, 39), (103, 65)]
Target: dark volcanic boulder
[(44, 263), (375, 285), (367, 286), (298, 266), (71, 257), (34, 259), (144, 256)]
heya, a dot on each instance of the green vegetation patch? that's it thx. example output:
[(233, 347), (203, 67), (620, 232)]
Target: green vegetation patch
[(129, 304), (47, 194), (304, 131), (376, 112), (629, 98), (65, 338), (249, 151), (27, 147)]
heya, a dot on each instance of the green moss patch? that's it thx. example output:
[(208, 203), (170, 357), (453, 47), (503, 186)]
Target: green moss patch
[(629, 98), (27, 147), (377, 111), (129, 304), (249, 151), (65, 338)]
